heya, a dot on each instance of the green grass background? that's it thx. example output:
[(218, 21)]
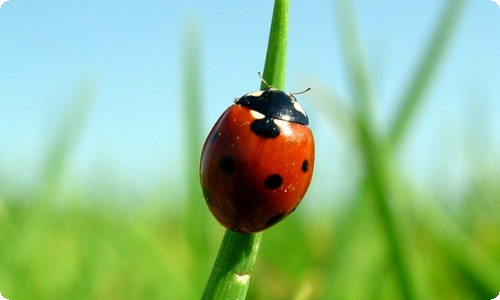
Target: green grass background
[(389, 239)]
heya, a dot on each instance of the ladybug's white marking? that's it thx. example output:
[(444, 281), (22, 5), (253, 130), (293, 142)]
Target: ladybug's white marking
[(243, 279), (298, 107), (257, 115), (284, 126), (255, 94)]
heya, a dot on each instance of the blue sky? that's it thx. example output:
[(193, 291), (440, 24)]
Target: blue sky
[(131, 53)]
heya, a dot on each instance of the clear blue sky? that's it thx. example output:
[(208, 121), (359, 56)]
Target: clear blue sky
[(131, 52)]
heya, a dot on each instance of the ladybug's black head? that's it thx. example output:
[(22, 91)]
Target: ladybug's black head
[(275, 104)]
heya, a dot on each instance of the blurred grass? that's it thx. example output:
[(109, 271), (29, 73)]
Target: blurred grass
[(393, 240), (195, 208)]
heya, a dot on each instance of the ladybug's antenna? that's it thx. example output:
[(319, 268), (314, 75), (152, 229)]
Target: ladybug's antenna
[(304, 91), (264, 81), (272, 87)]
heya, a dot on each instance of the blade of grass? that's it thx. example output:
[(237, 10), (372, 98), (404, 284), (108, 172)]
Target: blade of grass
[(275, 65), (192, 106), (377, 161), (334, 108), (355, 59), (65, 140), (196, 233), (379, 175), (421, 81), (231, 272), (479, 268)]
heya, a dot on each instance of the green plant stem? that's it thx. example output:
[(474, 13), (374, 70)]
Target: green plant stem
[(231, 272), (275, 67)]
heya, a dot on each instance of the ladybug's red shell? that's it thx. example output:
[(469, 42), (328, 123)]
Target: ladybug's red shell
[(254, 169)]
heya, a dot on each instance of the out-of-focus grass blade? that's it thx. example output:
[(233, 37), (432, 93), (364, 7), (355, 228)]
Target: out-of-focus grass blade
[(192, 106), (379, 177), (65, 140), (334, 108), (421, 81), (355, 58), (195, 215), (478, 267)]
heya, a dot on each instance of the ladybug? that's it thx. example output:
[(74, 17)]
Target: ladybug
[(257, 161)]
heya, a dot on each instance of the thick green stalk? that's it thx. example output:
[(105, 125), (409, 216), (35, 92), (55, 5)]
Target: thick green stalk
[(275, 67), (231, 272)]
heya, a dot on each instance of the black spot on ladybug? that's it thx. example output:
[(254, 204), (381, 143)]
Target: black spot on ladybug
[(265, 127), (206, 196), (275, 219), (305, 166), (226, 164), (273, 181)]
